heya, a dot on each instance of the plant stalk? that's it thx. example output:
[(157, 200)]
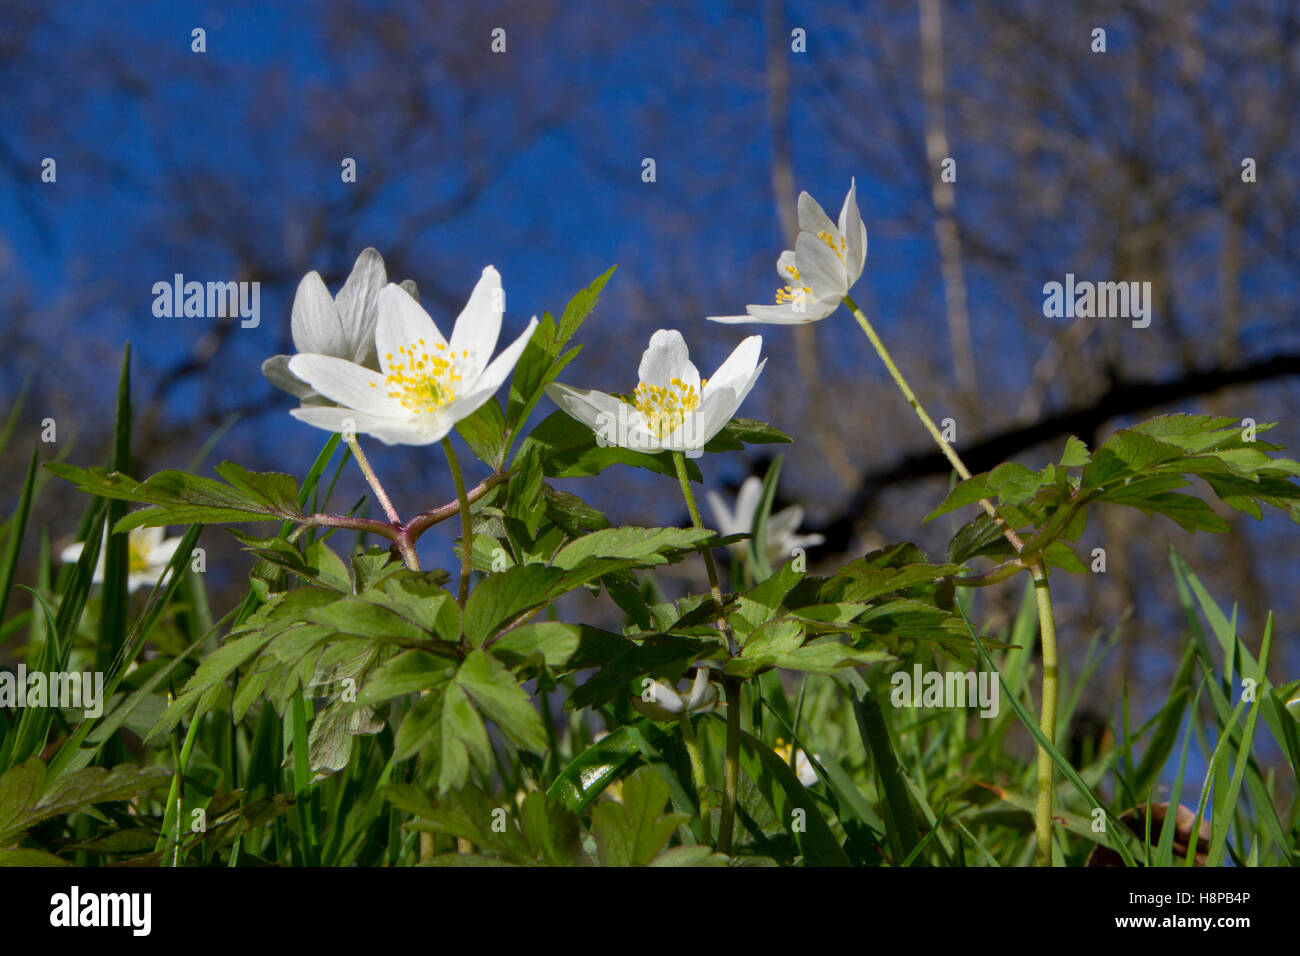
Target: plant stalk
[(679, 460), (364, 463), (1037, 569), (731, 775), (701, 779), (1047, 716), (466, 523)]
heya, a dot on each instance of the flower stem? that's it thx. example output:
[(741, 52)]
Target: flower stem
[(731, 774), (1037, 569), (373, 479), (466, 523), (679, 460), (1047, 717), (427, 519), (701, 779)]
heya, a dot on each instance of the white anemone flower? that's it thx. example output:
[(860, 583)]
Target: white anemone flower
[(342, 326), (782, 526), (425, 383), (667, 703), (819, 272), (147, 555), (802, 766), (672, 409)]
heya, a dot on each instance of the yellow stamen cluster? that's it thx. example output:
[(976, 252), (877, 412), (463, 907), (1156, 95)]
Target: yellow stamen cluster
[(137, 556), (836, 247), (792, 293), (423, 379), (665, 408)]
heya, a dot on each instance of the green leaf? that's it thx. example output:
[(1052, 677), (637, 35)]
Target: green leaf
[(760, 603), (177, 497), (27, 797), (485, 433), (739, 432), (581, 306), (553, 642), (783, 792), (586, 776), (973, 489), (1075, 454), (503, 596), (495, 691), (647, 546), (571, 513), (634, 831), (569, 450), (655, 655)]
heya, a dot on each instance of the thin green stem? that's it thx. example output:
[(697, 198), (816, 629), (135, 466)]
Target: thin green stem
[(1037, 569), (948, 451), (701, 779), (679, 460), (372, 479), (466, 523), (731, 773), (1047, 717)]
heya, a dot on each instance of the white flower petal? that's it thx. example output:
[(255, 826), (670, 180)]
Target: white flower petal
[(402, 322), (738, 367), (812, 217), (162, 552), (822, 269), (315, 320), (346, 383), (667, 358), (747, 500), (665, 703), (722, 516), (718, 407), (854, 232), (140, 579), (72, 552), (276, 370), (703, 694), (782, 524), (499, 369), (479, 325), (599, 411), (390, 431), (358, 306), (734, 319), (787, 267)]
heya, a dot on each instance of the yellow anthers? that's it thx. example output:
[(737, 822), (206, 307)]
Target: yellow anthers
[(792, 293), (793, 272), (423, 381), (836, 247), (137, 557), (664, 408)]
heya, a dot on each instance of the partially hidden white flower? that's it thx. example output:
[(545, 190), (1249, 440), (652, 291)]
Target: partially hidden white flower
[(782, 526), (148, 553), (667, 703), (342, 326), (425, 383), (672, 409), (803, 768), (826, 260)]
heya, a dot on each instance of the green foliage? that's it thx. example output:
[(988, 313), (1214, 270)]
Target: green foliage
[(1145, 466), (355, 708)]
